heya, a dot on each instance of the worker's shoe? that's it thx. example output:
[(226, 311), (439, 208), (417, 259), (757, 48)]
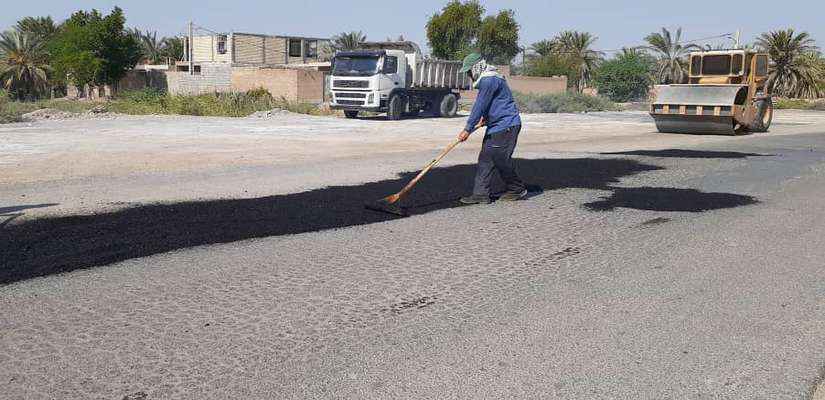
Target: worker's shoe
[(476, 199), (513, 196)]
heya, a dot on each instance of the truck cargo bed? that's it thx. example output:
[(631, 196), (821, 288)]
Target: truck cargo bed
[(438, 74)]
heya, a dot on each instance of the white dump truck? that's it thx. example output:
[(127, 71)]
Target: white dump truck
[(395, 78)]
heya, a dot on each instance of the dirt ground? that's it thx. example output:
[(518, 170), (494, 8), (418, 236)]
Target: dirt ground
[(71, 166)]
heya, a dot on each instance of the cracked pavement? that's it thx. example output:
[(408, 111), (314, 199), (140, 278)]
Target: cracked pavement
[(698, 275)]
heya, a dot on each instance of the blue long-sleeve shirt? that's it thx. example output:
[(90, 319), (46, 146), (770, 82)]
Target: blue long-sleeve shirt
[(496, 104)]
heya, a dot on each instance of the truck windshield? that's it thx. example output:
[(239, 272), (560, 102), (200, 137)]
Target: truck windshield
[(355, 66)]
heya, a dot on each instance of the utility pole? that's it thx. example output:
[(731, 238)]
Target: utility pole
[(190, 50), (738, 39)]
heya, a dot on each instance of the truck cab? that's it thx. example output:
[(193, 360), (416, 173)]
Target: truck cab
[(364, 79), (393, 77)]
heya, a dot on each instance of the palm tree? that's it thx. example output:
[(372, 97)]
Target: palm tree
[(151, 47), (543, 47), (23, 65), (172, 48), (348, 40), (796, 71), (578, 46), (672, 65), (43, 28)]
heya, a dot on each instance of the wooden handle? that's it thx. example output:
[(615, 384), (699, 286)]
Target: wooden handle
[(435, 161)]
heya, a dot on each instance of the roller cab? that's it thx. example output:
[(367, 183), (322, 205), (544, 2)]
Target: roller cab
[(725, 95)]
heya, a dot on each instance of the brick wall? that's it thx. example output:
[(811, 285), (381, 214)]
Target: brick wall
[(214, 77), (275, 50), (248, 49), (310, 85), (205, 49), (290, 84), (134, 80), (529, 85)]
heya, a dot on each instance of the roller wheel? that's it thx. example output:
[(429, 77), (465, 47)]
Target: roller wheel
[(395, 109), (449, 106), (764, 116), (351, 114)]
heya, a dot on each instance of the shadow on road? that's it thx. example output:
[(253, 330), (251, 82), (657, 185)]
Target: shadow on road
[(51, 245), (669, 199), (677, 153), (9, 214), (13, 209)]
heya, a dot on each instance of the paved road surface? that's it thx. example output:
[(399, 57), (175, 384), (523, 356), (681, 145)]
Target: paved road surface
[(695, 273)]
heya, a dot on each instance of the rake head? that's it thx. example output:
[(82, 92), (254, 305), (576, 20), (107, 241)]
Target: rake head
[(390, 204)]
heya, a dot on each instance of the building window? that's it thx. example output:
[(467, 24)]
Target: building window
[(311, 48), (295, 48), (221, 44), (196, 70)]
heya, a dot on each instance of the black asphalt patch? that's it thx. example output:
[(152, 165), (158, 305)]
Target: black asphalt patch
[(678, 153), (52, 245), (669, 199)]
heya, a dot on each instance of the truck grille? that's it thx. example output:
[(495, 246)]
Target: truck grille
[(350, 102), (351, 95), (351, 84)]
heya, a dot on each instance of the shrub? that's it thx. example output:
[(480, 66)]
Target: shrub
[(553, 65), (562, 103), (624, 78), (149, 101), (799, 104)]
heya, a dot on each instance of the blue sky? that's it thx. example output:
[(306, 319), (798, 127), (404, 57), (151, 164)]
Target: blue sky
[(616, 23)]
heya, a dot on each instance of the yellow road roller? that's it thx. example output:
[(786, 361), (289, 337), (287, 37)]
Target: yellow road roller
[(726, 94)]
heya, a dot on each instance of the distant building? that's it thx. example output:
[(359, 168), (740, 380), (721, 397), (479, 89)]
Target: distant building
[(255, 49), (290, 67)]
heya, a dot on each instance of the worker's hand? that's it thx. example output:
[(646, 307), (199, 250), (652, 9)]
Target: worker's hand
[(463, 136)]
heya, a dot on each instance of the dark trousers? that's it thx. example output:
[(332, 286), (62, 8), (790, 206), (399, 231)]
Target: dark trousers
[(497, 154)]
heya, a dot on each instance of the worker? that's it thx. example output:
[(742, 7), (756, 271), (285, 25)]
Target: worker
[(495, 104)]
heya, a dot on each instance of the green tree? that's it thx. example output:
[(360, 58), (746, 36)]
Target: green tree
[(42, 28), (172, 48), (544, 47), (348, 40), (23, 65), (151, 47), (796, 68), (498, 38), (672, 64), (624, 78), (452, 33), (578, 45), (554, 64), (95, 49)]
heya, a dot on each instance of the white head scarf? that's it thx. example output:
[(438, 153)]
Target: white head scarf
[(483, 70)]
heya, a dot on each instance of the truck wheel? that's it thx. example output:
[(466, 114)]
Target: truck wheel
[(351, 114), (764, 116), (395, 108), (449, 106)]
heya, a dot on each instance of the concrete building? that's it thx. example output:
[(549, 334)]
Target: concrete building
[(290, 67), (256, 49)]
